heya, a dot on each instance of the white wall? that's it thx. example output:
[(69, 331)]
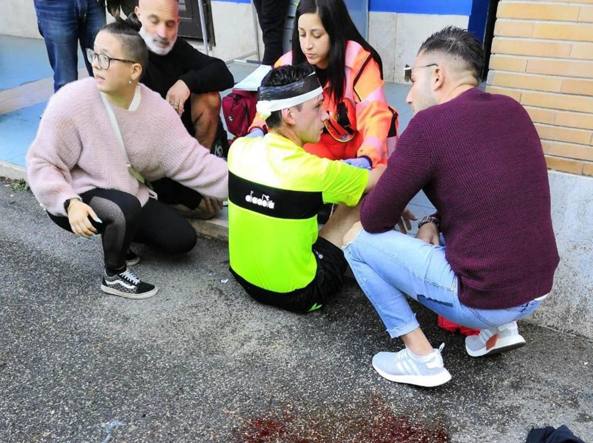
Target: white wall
[(397, 37), (570, 306), (234, 30), (18, 18)]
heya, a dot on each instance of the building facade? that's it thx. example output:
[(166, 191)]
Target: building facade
[(542, 55), (395, 27)]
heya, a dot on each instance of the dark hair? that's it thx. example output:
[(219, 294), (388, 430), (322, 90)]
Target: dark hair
[(338, 25), (114, 7), (459, 43), (281, 76), (131, 42)]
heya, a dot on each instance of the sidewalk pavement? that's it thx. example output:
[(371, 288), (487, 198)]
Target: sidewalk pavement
[(202, 362)]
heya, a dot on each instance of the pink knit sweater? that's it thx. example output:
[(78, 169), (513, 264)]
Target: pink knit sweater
[(76, 149)]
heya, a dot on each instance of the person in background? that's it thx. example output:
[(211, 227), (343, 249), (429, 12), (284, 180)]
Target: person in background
[(490, 189), (191, 83), (271, 15), (63, 25), (361, 128), (100, 139)]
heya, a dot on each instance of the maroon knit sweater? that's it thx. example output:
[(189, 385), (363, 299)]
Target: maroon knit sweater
[(479, 160)]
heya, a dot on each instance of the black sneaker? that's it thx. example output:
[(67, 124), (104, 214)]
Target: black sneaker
[(132, 258), (127, 285), (221, 145)]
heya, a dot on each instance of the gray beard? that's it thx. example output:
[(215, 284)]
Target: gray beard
[(152, 46)]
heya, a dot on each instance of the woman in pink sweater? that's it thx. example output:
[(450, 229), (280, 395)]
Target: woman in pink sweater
[(99, 143)]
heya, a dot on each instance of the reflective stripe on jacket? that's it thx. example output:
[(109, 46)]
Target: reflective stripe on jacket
[(364, 87)]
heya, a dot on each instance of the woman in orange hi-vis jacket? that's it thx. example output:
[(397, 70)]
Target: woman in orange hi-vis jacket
[(361, 128)]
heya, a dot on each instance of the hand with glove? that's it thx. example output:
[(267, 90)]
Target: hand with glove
[(255, 132), (359, 162)]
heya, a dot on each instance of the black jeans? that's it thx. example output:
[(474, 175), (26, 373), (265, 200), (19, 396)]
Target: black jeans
[(271, 15), (124, 221)]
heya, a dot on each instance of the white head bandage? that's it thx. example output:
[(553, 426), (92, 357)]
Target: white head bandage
[(276, 98), (266, 107)]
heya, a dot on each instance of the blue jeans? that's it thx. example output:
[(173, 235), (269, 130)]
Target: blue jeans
[(391, 265), (63, 23)]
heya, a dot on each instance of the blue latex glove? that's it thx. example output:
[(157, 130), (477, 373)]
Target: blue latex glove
[(359, 162), (255, 132)]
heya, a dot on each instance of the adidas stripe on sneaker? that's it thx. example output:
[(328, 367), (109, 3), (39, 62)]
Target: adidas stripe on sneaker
[(495, 340), (405, 367)]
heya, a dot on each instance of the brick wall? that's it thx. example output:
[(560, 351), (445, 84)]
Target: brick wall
[(542, 55)]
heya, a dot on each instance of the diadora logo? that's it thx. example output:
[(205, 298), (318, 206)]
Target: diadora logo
[(263, 201)]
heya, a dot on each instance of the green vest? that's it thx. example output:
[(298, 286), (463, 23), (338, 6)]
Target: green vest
[(275, 192)]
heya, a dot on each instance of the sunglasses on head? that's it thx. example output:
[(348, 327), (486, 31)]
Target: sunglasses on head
[(408, 70)]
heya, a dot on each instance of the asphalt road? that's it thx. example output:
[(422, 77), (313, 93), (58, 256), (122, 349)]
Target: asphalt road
[(201, 362)]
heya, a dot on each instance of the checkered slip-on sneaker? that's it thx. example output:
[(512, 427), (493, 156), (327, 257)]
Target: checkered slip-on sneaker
[(127, 285)]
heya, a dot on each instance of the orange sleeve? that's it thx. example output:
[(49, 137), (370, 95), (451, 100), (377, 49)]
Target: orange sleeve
[(373, 116)]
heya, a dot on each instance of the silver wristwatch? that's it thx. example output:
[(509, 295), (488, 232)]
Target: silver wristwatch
[(428, 219)]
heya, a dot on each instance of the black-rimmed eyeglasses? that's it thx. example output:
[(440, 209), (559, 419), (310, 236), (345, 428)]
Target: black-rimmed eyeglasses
[(103, 61), (408, 70)]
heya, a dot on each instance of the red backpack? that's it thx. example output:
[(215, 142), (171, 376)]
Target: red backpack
[(238, 109)]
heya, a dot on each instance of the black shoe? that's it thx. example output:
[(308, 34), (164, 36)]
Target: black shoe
[(127, 285), (220, 147), (132, 258)]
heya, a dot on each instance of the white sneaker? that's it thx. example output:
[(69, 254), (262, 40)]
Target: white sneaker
[(405, 367), (495, 340)]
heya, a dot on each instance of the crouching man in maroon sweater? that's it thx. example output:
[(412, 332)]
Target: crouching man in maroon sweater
[(478, 158)]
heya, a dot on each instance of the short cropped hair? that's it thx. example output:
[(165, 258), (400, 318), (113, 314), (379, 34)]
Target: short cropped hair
[(458, 43), (131, 42), (284, 75)]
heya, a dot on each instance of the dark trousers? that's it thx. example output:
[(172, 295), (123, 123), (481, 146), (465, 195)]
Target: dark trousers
[(174, 193), (124, 221), (271, 15), (331, 266)]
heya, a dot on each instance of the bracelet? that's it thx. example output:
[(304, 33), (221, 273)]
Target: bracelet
[(67, 203), (428, 219)]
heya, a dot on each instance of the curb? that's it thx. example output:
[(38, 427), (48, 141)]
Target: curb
[(12, 171), (216, 228)]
